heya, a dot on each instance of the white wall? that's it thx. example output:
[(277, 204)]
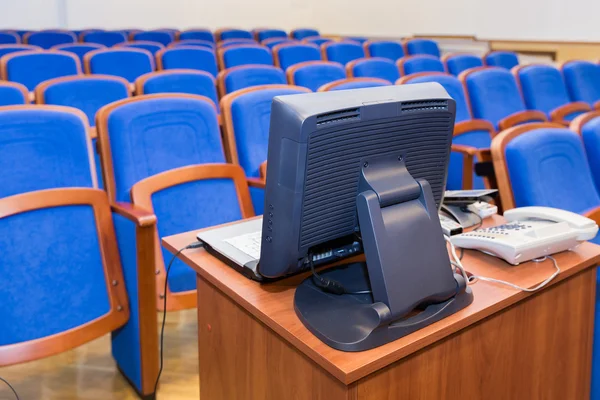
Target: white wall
[(489, 19)]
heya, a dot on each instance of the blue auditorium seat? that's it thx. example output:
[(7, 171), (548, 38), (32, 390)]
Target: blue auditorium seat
[(152, 47), (79, 49), (244, 76), (272, 42), (247, 115), (193, 42), (179, 81), (588, 126), (13, 48), (353, 83), (459, 62), (128, 63), (9, 38), (419, 63), (470, 135), (318, 40), (502, 59), (544, 89), (33, 67), (187, 57), (495, 96), (242, 55), (314, 74), (12, 93), (422, 46), (232, 33), (48, 39), (235, 42), (374, 67), (22, 34), (303, 33), (342, 52), (264, 34), (105, 38), (164, 37), (287, 54), (359, 39), (583, 81), (197, 34), (384, 48)]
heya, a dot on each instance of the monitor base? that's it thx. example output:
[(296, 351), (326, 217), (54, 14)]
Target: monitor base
[(353, 322)]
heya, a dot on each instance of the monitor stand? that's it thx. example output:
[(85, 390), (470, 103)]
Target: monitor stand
[(407, 272)]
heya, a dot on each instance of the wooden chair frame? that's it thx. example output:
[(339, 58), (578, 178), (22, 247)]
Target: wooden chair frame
[(221, 53), (332, 85), (578, 123), (293, 68)]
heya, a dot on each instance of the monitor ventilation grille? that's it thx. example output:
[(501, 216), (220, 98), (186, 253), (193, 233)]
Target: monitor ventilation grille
[(426, 105), (338, 116)]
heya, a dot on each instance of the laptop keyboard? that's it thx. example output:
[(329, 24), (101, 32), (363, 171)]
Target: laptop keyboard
[(248, 243)]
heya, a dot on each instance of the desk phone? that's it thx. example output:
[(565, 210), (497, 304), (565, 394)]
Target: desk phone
[(530, 233)]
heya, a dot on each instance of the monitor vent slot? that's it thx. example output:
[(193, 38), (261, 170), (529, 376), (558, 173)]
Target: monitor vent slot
[(426, 105), (338, 116)]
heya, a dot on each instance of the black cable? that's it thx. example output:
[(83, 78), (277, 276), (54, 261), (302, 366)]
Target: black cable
[(330, 285), (194, 245), (11, 388), (480, 220)]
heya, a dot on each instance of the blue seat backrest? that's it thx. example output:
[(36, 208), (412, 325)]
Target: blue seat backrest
[(236, 34), (376, 67), (422, 63), (543, 87), (454, 88), (126, 63), (271, 33), (43, 149), (300, 34), (494, 94), (11, 94), (316, 74), (458, 63), (291, 54), (358, 85), (189, 57), (253, 75), (32, 68), (105, 38), (422, 46), (48, 39), (271, 43), (162, 37), (477, 139), (358, 39), (243, 55), (193, 43), (547, 167), (13, 48), (236, 42), (583, 81), (251, 116), (197, 34), (590, 133), (386, 49), (152, 47), (344, 52), (9, 38), (502, 59), (80, 50), (190, 82), (318, 40), (156, 134)]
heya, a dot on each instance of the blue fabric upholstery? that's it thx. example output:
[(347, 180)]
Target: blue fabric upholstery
[(8, 48), (236, 42), (502, 59), (422, 63), (42, 149), (358, 39), (243, 55), (547, 167), (303, 33), (105, 38), (258, 200), (583, 81), (253, 75), (80, 50), (190, 57), (477, 139), (265, 34), (422, 46), (315, 75), (32, 68), (454, 88), (291, 54), (251, 116), (151, 136), (11, 95), (386, 49), (152, 47), (494, 94), (163, 37), (376, 67), (191, 82), (236, 34), (458, 63), (197, 34), (9, 38), (344, 52), (590, 133), (318, 40), (126, 63), (194, 43), (48, 39), (190, 206), (350, 84), (270, 43)]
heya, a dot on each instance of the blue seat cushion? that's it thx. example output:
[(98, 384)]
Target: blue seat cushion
[(243, 77)]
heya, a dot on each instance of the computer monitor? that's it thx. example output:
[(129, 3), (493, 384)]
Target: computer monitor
[(362, 170)]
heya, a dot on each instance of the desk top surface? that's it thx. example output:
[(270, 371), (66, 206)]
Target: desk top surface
[(272, 303)]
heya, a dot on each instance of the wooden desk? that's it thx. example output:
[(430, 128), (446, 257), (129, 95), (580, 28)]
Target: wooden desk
[(506, 345)]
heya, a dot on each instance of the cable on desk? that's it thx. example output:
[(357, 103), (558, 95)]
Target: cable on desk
[(10, 386)]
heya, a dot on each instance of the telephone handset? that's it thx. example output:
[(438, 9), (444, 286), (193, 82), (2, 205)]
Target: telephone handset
[(530, 233)]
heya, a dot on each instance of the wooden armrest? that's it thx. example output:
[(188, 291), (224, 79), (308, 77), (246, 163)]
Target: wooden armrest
[(597, 105), (594, 214), (522, 117), (474, 125), (560, 113), (134, 213), (263, 171), (256, 182)]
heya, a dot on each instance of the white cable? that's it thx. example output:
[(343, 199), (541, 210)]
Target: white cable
[(456, 261)]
